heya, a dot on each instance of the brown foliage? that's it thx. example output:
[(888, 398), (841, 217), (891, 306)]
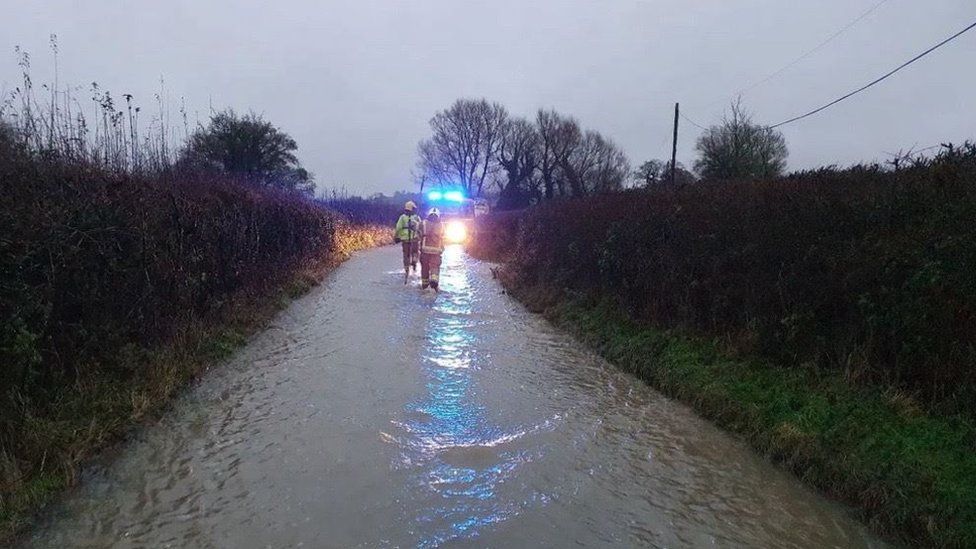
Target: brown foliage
[(93, 260), (865, 270)]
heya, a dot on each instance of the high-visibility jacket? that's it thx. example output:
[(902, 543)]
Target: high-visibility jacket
[(433, 237), (408, 228)]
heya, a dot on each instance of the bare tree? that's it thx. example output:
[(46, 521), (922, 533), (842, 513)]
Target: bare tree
[(582, 161), (475, 142), (610, 168), (740, 148), (518, 155), (464, 145), (594, 164), (559, 136)]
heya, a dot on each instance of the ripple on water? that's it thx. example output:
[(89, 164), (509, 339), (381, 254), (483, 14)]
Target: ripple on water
[(372, 415)]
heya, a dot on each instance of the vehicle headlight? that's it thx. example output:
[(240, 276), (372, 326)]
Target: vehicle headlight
[(456, 232)]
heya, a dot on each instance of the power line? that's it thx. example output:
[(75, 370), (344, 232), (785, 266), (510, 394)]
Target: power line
[(878, 80), (807, 53), (803, 56), (692, 122), (813, 50)]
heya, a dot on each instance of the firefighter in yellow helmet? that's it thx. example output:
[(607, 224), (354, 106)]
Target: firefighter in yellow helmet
[(407, 234), (431, 248)]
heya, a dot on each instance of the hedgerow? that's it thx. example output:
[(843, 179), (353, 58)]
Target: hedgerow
[(867, 271), (117, 288)]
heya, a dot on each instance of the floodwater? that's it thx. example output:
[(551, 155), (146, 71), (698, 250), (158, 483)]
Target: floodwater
[(373, 415)]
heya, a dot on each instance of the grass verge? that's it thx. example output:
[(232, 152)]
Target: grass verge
[(90, 415), (911, 475)]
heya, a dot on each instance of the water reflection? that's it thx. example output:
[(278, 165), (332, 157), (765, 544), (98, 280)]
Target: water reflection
[(459, 457), (508, 434)]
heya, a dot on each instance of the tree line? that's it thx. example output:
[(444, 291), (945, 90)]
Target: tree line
[(479, 146)]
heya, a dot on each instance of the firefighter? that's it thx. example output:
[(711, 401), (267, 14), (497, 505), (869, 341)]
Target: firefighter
[(431, 248), (407, 234)]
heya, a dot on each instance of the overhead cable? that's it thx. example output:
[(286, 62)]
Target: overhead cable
[(877, 80)]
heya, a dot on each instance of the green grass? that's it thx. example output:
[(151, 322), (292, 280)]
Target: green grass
[(911, 476), (80, 420)]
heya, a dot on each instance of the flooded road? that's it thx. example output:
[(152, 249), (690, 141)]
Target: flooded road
[(372, 415)]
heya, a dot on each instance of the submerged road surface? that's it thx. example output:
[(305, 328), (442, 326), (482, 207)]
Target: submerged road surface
[(372, 415)]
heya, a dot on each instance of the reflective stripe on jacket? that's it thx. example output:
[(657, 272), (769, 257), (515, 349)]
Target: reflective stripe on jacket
[(433, 237), (408, 228)]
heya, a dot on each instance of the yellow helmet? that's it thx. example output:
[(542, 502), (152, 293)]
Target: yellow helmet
[(410, 206)]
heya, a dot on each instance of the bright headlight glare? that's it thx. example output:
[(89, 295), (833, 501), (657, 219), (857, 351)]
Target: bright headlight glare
[(456, 232)]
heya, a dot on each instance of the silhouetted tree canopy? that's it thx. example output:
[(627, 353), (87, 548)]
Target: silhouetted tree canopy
[(658, 172), (475, 143), (740, 148), (518, 155), (464, 146), (247, 146)]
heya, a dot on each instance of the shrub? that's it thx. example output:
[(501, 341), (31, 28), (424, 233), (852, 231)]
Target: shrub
[(92, 261), (864, 270)]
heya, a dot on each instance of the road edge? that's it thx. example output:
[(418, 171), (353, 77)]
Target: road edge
[(118, 407), (876, 451)]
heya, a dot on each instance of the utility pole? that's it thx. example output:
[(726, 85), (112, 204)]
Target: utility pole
[(674, 146)]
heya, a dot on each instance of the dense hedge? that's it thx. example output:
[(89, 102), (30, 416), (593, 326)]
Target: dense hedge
[(91, 261), (865, 270), (116, 290)]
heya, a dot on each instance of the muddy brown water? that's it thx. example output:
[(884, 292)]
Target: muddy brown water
[(372, 415)]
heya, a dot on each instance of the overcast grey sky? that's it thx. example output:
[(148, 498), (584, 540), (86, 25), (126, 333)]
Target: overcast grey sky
[(355, 82)]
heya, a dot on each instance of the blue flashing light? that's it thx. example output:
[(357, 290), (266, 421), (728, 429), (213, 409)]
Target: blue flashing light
[(435, 195), (454, 196)]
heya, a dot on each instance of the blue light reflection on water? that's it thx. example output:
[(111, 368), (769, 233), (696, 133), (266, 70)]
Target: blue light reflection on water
[(458, 455)]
